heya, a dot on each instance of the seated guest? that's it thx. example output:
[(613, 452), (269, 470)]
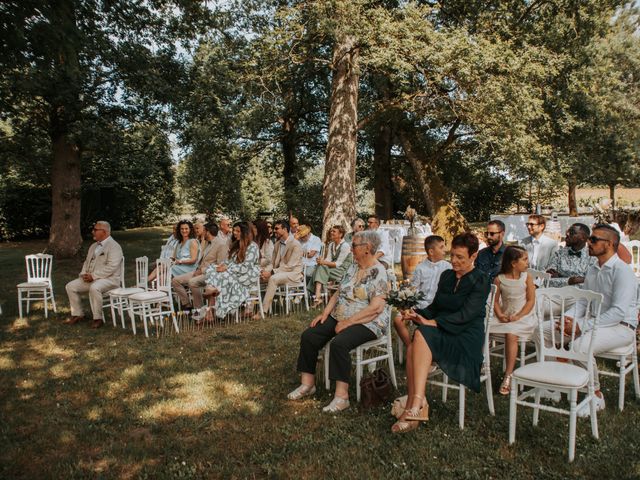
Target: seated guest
[(169, 248), (198, 230), (450, 331), (215, 251), (233, 279), (539, 247), (262, 238), (225, 229), (489, 258), (332, 267), (294, 224), (186, 253), (357, 225), (425, 279), (100, 273), (616, 281), (355, 314), (569, 264), (311, 246), (384, 252), (287, 264)]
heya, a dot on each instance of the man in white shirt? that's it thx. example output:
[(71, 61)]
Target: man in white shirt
[(539, 247), (311, 246), (615, 280), (100, 273), (224, 232), (294, 224), (384, 250)]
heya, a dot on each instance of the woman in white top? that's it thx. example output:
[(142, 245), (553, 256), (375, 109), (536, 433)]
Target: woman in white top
[(337, 259)]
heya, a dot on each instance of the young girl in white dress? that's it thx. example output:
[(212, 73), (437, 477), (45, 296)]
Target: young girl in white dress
[(514, 314)]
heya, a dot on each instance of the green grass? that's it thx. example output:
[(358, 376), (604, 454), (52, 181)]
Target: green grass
[(81, 403)]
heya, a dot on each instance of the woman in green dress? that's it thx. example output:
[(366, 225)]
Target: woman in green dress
[(450, 331), (337, 260)]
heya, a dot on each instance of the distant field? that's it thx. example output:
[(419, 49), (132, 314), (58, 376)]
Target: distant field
[(627, 195)]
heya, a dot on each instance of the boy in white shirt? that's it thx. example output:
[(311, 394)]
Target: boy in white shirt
[(425, 279)]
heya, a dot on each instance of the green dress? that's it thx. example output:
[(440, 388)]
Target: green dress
[(324, 274), (459, 310)]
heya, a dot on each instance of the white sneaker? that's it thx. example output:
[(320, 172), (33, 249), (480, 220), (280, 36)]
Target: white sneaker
[(585, 411)]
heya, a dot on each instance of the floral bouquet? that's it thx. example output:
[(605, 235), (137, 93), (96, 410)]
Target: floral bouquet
[(405, 298)]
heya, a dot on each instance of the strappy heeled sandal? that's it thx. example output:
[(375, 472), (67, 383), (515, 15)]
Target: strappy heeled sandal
[(420, 414), (337, 405), (505, 386), (301, 392)]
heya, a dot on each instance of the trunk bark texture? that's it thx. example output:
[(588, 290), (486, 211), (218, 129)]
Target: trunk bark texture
[(573, 204), (339, 184), (290, 168), (612, 196), (383, 187)]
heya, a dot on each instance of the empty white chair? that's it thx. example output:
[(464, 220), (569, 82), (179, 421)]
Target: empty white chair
[(38, 285), (154, 305), (634, 248), (119, 297), (548, 373)]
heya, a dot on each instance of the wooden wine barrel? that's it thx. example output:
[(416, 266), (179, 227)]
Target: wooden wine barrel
[(412, 254)]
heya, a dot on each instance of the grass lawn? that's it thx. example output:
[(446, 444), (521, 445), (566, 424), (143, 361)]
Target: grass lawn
[(82, 403)]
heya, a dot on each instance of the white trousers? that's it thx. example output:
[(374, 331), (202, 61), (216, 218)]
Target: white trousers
[(75, 288)]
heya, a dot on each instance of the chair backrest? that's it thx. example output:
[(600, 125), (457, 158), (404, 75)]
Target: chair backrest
[(142, 272), (163, 275), (586, 307), (540, 278), (634, 248), (488, 315), (39, 267)]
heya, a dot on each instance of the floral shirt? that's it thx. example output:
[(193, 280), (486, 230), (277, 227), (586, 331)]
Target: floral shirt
[(569, 264), (355, 295)]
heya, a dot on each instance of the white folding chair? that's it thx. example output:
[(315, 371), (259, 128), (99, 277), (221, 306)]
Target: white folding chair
[(391, 271), (255, 296), (38, 285), (119, 297), (381, 348), (154, 305), (634, 248), (485, 374), (294, 292), (550, 374)]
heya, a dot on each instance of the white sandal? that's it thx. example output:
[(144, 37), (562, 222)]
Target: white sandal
[(302, 391), (337, 405)]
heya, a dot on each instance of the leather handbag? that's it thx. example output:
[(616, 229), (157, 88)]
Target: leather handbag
[(375, 389)]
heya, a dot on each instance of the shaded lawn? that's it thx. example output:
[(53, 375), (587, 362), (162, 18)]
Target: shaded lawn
[(78, 403)]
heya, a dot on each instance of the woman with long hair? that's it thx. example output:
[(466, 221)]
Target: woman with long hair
[(265, 245), (186, 251)]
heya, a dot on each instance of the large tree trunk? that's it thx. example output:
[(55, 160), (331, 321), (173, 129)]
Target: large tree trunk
[(289, 170), (612, 196), (447, 221), (339, 185), (573, 204), (383, 187)]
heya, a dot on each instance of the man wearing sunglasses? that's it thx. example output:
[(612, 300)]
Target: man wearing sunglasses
[(539, 247), (489, 258), (615, 280)]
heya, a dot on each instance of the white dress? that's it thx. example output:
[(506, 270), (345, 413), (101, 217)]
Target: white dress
[(513, 296)]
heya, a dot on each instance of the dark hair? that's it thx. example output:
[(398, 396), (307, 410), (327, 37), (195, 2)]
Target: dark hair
[(178, 235), (262, 230), (284, 224), (499, 224), (340, 228), (467, 240), (582, 228), (609, 228), (239, 247), (212, 228), (376, 217), (511, 254), (538, 218), (431, 242)]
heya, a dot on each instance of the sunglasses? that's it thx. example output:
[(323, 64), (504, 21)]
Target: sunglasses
[(491, 234), (594, 239), (529, 224), (354, 245)]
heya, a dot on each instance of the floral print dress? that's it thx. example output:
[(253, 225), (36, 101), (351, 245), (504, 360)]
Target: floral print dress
[(235, 283)]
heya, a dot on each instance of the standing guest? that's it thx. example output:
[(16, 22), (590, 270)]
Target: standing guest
[(384, 252), (489, 258), (311, 246), (334, 265), (514, 302), (100, 273), (615, 280), (357, 225), (425, 279), (215, 251), (287, 264), (450, 331), (262, 238), (355, 314), (569, 264), (539, 247), (294, 224), (233, 279)]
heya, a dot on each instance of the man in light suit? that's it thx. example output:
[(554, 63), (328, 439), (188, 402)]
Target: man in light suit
[(215, 251), (539, 247), (287, 264), (100, 273)]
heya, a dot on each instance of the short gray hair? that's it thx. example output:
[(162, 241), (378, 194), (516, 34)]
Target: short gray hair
[(370, 237), (105, 225)]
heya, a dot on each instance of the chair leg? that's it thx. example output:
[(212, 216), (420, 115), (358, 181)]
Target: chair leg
[(636, 376), (20, 303), (46, 303), (572, 423), (144, 319), (445, 388), (392, 370), (461, 406), (358, 372), (53, 301), (489, 386), (512, 411), (536, 410), (327, 381), (621, 381)]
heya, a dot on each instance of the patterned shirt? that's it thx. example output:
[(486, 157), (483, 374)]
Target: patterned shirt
[(355, 295), (569, 264)]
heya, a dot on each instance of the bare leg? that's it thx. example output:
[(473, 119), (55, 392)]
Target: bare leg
[(403, 331), (511, 352), (421, 359), (342, 390)]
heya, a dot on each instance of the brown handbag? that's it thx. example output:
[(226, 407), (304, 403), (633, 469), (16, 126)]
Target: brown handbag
[(375, 389)]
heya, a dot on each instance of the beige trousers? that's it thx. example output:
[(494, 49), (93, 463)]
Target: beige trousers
[(95, 289), (277, 279)]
